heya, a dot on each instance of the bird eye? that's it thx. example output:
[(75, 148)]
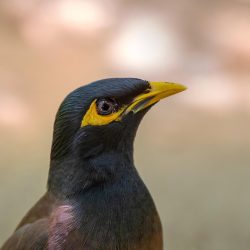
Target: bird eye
[(106, 106)]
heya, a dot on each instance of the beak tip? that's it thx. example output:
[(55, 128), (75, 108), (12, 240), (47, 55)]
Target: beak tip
[(177, 87), (183, 88)]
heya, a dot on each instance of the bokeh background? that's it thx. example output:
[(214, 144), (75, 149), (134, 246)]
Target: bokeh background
[(192, 149)]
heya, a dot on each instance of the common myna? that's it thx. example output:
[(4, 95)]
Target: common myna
[(96, 199)]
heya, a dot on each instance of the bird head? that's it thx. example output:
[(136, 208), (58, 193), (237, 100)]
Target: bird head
[(95, 128), (104, 116)]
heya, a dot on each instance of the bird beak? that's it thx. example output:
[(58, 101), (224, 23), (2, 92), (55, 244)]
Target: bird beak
[(156, 92)]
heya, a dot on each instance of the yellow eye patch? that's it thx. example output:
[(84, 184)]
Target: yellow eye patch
[(93, 118), (104, 111)]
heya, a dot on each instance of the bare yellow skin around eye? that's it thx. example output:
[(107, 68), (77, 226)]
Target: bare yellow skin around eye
[(94, 119)]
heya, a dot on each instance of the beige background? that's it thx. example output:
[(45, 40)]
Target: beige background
[(192, 149)]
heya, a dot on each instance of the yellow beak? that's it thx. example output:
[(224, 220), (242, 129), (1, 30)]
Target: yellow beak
[(156, 92)]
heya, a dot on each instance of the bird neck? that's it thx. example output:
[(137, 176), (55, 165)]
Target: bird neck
[(74, 175), (124, 214)]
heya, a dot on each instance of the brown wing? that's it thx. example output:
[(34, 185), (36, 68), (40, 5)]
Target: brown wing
[(32, 231), (41, 209), (32, 236)]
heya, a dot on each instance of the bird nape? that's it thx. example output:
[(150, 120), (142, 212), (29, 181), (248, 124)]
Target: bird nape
[(95, 199)]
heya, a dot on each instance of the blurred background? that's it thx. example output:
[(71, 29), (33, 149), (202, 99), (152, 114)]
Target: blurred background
[(192, 149)]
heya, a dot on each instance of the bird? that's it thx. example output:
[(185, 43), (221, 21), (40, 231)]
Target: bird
[(95, 198)]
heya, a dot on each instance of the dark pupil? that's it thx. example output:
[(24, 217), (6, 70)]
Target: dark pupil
[(106, 106)]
